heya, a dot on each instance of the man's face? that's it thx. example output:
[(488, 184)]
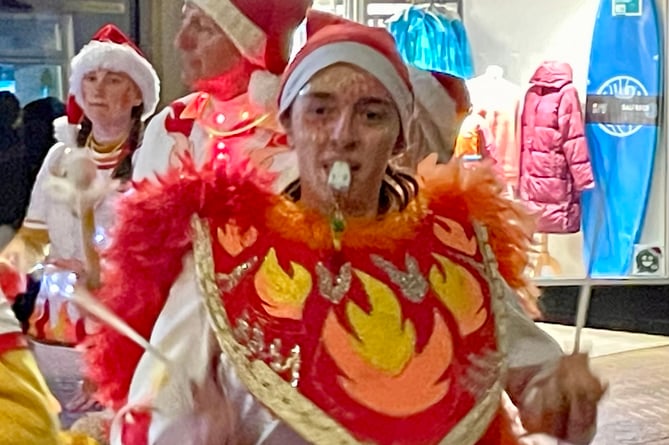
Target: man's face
[(344, 114), (206, 51)]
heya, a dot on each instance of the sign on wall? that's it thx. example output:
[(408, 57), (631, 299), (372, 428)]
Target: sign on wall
[(627, 7)]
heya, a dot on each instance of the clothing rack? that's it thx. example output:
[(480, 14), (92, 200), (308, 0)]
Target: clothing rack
[(380, 19), (458, 3)]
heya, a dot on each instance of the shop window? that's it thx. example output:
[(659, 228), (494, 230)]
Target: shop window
[(568, 99), (35, 51)]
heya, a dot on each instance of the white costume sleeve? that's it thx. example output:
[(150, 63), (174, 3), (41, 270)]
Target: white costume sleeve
[(154, 154), (182, 333), (528, 345), (8, 322), (36, 216)]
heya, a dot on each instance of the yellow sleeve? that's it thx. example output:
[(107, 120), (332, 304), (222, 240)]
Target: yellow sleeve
[(28, 411), (27, 408), (29, 246), (69, 438)]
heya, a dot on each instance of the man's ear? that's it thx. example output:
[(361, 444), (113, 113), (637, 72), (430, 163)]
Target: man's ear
[(286, 123), (400, 145)]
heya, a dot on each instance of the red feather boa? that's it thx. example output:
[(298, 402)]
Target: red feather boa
[(150, 238)]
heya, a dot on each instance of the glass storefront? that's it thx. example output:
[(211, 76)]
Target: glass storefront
[(571, 97), (36, 46), (35, 50)]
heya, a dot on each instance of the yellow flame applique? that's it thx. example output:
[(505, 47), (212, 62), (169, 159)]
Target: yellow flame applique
[(460, 292), (381, 367), (453, 235), (233, 241), (283, 295), (385, 342)]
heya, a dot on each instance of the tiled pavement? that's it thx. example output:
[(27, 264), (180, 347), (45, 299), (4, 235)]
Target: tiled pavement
[(634, 412), (636, 408)]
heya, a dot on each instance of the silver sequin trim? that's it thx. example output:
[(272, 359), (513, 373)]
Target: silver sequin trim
[(331, 287), (412, 283), (228, 281)]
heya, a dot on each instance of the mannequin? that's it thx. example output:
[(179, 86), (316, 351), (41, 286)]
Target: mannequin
[(545, 259), (497, 100)]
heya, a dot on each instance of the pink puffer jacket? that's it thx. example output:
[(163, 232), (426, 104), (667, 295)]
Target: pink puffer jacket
[(555, 165)]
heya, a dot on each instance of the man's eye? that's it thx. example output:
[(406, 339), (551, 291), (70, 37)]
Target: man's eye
[(319, 111), (374, 116)]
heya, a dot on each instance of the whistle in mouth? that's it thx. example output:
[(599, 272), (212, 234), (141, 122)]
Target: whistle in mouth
[(339, 178)]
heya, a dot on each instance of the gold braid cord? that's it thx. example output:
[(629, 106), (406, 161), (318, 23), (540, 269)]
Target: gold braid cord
[(286, 402), (307, 419)]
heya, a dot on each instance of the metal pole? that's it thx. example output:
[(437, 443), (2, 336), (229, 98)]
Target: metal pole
[(355, 10)]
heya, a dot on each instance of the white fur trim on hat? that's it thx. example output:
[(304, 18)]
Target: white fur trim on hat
[(247, 37), (356, 54), (264, 89), (120, 58)]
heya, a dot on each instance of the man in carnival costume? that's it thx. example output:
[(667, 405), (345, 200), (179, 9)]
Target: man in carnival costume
[(314, 316), (233, 53)]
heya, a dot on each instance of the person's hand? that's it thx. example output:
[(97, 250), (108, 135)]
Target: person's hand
[(210, 423), (84, 400), (562, 401), (69, 264)]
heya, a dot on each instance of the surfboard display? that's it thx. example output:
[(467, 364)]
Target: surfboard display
[(623, 118)]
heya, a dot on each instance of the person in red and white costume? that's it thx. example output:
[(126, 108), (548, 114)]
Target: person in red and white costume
[(329, 318), (233, 53), (113, 90)]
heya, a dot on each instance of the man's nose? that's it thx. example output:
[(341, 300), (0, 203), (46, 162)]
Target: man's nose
[(183, 39), (345, 132)]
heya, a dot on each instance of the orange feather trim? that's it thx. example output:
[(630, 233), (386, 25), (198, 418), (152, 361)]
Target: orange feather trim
[(443, 187), (476, 190)]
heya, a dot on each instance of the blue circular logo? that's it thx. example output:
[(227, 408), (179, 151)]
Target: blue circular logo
[(622, 87)]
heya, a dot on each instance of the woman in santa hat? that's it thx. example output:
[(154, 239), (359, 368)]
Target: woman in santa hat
[(113, 90), (363, 305)]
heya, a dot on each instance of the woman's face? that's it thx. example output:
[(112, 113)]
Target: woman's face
[(109, 96), (343, 114)]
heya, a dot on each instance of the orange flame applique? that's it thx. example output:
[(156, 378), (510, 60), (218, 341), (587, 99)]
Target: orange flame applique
[(382, 370), (196, 108), (233, 241), (58, 325), (283, 295), (460, 292), (454, 236)]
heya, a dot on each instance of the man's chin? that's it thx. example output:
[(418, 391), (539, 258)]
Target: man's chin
[(189, 80)]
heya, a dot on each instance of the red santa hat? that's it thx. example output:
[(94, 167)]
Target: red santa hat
[(442, 102), (262, 31), (332, 40), (111, 49)]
